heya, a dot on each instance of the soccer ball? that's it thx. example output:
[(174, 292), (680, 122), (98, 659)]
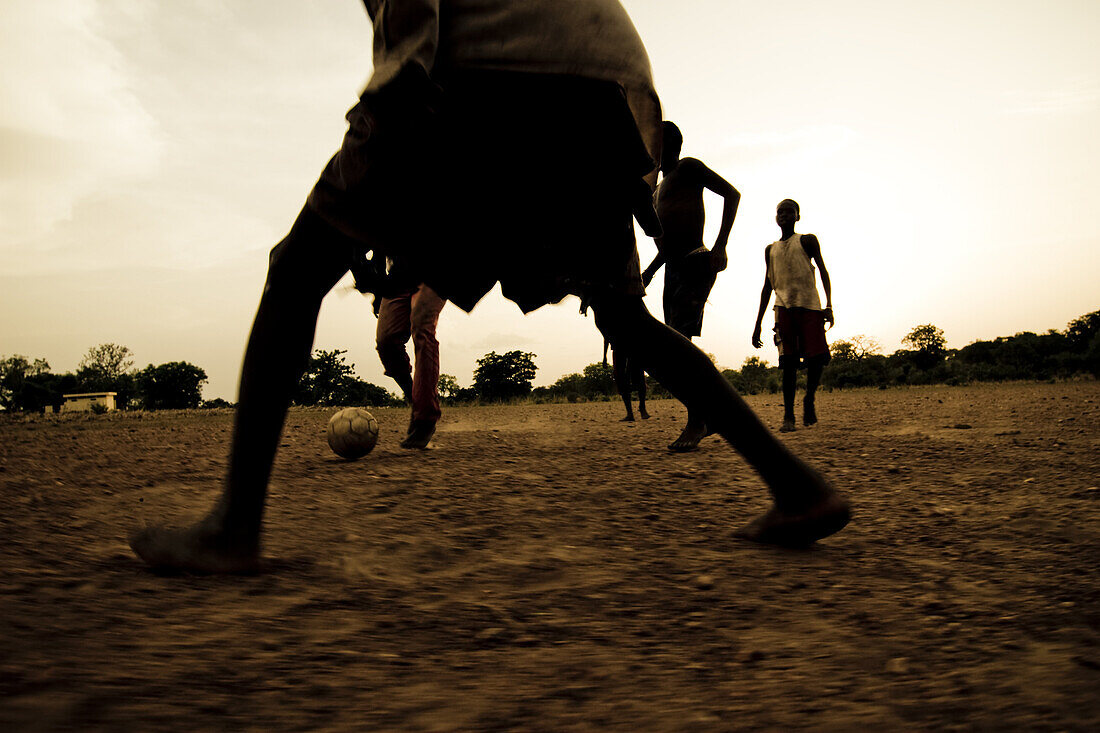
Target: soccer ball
[(352, 433)]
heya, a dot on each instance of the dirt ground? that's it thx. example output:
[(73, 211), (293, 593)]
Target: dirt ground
[(547, 567)]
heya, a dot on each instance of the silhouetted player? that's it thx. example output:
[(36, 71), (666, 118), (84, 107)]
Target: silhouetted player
[(505, 141), (799, 318), (690, 268), (628, 376)]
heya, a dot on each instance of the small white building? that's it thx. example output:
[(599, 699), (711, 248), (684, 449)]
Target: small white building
[(83, 402)]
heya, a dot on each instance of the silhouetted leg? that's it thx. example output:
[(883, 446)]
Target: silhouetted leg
[(806, 507), (814, 367), (303, 268), (639, 381), (695, 430), (790, 384), (619, 365)]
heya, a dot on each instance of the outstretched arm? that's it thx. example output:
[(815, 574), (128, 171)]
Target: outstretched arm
[(765, 298), (813, 250), (731, 199)]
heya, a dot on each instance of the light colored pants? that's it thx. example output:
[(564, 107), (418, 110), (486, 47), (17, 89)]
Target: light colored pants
[(412, 315)]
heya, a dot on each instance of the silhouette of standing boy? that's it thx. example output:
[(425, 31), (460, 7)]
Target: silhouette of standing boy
[(799, 318), (690, 268), (498, 141)]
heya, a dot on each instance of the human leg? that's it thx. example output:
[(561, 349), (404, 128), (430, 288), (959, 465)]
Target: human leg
[(817, 356), (790, 384), (806, 507), (695, 430), (390, 336), (426, 306), (619, 364), (639, 382), (814, 367), (302, 269)]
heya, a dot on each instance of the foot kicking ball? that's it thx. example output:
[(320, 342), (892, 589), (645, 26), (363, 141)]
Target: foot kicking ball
[(352, 433)]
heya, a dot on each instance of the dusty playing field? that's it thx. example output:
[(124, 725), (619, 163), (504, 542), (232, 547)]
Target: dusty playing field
[(550, 568)]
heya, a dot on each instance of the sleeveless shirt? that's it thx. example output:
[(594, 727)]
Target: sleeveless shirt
[(791, 274)]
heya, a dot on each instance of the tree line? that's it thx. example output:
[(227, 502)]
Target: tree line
[(857, 362), (329, 380), (29, 386)]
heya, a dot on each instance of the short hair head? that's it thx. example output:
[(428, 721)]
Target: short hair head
[(790, 202)]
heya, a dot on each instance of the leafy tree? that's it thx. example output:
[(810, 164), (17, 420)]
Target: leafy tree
[(755, 374), (176, 385), (926, 338), (599, 379), (842, 350), (325, 380), (107, 368), (1081, 331), (569, 386), (22, 383), (504, 376), (929, 347), (330, 380), (105, 363), (448, 385)]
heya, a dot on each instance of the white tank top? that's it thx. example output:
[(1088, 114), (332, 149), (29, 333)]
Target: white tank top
[(791, 274)]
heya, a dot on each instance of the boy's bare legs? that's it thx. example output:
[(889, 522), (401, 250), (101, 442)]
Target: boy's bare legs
[(639, 381), (814, 367), (806, 507), (302, 269), (621, 367), (790, 384)]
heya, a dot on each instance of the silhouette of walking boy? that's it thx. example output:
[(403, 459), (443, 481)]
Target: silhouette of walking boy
[(502, 141), (799, 318), (690, 268)]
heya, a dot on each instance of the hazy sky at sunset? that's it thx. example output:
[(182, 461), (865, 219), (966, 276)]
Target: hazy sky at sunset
[(946, 154)]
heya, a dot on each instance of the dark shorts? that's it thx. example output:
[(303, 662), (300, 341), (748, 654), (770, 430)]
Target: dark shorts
[(522, 179), (688, 282), (800, 335)]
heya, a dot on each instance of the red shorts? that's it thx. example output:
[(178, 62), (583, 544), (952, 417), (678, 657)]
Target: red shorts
[(800, 335)]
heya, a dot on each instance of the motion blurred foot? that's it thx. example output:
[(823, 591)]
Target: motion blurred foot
[(802, 528), (788, 425), (420, 434), (196, 549), (809, 415), (690, 437)]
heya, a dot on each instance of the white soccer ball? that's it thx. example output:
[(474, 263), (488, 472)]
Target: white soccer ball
[(352, 433)]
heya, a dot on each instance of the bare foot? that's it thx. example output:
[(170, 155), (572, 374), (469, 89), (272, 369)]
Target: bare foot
[(420, 434), (809, 415), (628, 418), (643, 413), (196, 549), (800, 529), (690, 437), (788, 425)]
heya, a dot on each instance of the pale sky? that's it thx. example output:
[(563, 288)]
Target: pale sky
[(153, 151)]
